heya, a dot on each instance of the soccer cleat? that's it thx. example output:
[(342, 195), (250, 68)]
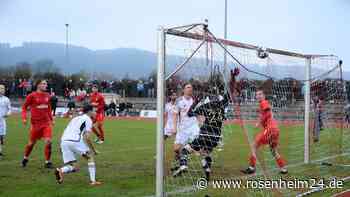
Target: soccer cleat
[(283, 171), (174, 168), (180, 171), (96, 183), (24, 163), (59, 175), (48, 165), (207, 172), (249, 170), (100, 142)]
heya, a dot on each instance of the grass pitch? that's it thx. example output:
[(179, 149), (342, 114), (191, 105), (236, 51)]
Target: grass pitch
[(126, 164)]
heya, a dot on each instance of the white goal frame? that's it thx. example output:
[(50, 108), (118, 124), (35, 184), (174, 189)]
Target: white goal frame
[(174, 31)]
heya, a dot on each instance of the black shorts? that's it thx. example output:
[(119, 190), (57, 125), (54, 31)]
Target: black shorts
[(207, 143), (347, 118)]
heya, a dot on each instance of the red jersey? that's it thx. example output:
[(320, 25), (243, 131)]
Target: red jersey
[(40, 109), (266, 117), (97, 101)]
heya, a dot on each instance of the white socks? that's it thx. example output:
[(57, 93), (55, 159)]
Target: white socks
[(92, 171), (91, 166), (67, 169)]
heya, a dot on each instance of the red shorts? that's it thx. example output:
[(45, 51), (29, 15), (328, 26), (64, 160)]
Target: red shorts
[(39, 132), (99, 117), (267, 137)]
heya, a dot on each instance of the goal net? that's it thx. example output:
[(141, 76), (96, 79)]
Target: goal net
[(306, 94)]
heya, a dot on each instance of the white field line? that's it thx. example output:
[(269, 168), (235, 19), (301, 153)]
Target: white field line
[(343, 192), (3, 161), (191, 189)]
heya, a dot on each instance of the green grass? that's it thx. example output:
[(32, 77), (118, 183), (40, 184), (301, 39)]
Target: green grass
[(126, 164)]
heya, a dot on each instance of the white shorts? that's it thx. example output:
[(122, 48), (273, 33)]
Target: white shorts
[(2, 126), (187, 135), (70, 149)]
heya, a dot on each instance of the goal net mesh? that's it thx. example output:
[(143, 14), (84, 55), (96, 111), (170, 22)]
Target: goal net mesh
[(194, 55)]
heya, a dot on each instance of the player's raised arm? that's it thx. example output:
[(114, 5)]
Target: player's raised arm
[(234, 89)]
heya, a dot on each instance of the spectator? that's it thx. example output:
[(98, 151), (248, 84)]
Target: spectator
[(104, 85), (151, 88), (71, 107), (53, 102), (112, 108), (72, 94), (140, 89)]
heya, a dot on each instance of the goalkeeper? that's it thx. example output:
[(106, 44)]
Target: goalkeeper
[(213, 109)]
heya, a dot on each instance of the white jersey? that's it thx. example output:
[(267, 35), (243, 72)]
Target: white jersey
[(170, 109), (183, 105), (76, 128), (5, 106), (5, 110)]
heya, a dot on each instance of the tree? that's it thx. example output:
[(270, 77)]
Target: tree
[(23, 70), (79, 79), (55, 80), (45, 66)]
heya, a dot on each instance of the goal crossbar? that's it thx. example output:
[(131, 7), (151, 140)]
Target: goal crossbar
[(197, 36)]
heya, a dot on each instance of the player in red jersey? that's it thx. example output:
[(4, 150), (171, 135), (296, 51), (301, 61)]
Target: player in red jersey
[(268, 136), (98, 102), (41, 121)]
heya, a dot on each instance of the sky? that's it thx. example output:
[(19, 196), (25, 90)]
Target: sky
[(312, 26)]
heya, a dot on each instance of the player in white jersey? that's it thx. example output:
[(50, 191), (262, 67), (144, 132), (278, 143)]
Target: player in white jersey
[(76, 141), (170, 112), (5, 110), (187, 128)]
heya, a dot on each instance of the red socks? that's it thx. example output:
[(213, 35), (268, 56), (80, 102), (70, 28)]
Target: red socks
[(281, 162), (102, 132), (95, 132), (48, 151), (252, 161), (28, 149)]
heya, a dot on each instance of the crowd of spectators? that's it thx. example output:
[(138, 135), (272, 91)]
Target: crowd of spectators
[(70, 88)]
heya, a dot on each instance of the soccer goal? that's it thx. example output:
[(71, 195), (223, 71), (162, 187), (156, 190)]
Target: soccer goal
[(306, 93)]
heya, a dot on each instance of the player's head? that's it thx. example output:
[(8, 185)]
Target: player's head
[(2, 89), (89, 110), (173, 96), (188, 89), (260, 95), (94, 88), (41, 85)]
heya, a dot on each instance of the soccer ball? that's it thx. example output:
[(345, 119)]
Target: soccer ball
[(262, 53)]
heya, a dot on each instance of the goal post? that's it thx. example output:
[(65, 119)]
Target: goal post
[(307, 111), (160, 112), (292, 81)]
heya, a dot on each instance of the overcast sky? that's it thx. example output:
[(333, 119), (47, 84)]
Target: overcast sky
[(307, 26)]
